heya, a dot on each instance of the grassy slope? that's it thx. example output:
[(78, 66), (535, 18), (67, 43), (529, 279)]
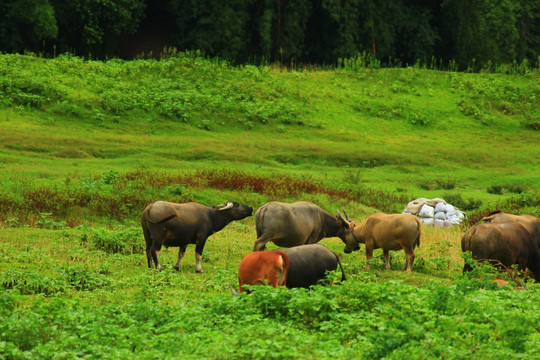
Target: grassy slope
[(102, 120), (337, 127)]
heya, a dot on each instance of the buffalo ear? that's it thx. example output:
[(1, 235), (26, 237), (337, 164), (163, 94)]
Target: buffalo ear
[(351, 225)]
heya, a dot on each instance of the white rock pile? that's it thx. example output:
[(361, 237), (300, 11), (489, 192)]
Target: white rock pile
[(435, 212)]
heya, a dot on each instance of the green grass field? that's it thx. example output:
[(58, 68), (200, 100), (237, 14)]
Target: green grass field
[(86, 145)]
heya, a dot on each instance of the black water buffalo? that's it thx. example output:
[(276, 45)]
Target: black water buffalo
[(170, 225), (294, 224), (308, 265), (530, 222), (505, 243)]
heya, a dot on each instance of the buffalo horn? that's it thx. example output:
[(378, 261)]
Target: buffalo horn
[(233, 290), (229, 205), (347, 221)]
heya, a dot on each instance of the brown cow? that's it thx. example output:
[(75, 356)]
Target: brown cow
[(259, 267), (507, 243), (530, 222), (387, 232)]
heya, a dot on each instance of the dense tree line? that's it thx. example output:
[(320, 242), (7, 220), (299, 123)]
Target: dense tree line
[(468, 32)]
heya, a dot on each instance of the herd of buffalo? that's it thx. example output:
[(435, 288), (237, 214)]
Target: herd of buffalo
[(503, 239)]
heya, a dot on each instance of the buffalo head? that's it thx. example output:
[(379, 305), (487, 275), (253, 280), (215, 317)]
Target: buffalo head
[(235, 210), (346, 233)]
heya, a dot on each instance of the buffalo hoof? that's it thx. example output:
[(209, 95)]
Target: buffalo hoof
[(200, 271), (177, 268)]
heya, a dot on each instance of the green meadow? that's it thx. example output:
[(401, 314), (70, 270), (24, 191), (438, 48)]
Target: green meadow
[(86, 145)]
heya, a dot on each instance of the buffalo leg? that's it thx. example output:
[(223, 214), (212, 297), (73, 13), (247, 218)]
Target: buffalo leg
[(386, 255), (148, 238), (199, 246), (149, 256), (260, 244), (181, 252), (369, 256), (409, 254), (153, 253), (198, 267)]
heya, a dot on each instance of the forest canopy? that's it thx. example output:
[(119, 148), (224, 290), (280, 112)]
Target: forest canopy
[(470, 33)]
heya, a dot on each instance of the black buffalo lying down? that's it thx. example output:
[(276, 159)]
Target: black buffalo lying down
[(299, 266), (507, 243), (308, 264)]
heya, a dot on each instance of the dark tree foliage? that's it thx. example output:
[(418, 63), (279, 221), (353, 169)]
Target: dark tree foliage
[(88, 27), (26, 25), (474, 34), (480, 32), (217, 28)]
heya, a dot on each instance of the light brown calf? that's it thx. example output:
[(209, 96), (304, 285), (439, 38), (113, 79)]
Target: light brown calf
[(261, 267), (387, 232)]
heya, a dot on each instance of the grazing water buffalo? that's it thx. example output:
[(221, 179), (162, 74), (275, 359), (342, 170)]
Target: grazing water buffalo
[(387, 232), (170, 225), (507, 243), (308, 265), (299, 266), (530, 222), (289, 225), (260, 267)]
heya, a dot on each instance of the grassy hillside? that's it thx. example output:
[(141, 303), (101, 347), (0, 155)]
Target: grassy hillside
[(85, 146), (409, 132)]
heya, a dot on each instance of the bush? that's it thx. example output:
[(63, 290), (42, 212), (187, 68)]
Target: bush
[(495, 189), (80, 279), (462, 204), (515, 188), (125, 241), (30, 282), (446, 184)]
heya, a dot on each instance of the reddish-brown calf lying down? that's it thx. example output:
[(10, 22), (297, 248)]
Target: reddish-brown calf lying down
[(259, 267)]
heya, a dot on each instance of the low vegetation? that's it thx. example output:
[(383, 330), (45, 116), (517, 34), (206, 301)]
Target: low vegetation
[(86, 145)]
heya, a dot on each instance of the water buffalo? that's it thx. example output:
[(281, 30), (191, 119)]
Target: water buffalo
[(308, 265), (260, 267), (170, 225), (387, 232), (299, 266), (294, 224), (530, 222), (507, 243)]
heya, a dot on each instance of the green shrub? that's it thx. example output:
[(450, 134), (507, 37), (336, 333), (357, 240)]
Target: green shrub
[(533, 124), (125, 241), (456, 199), (46, 222), (30, 282), (515, 188), (446, 184), (80, 279), (495, 189)]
